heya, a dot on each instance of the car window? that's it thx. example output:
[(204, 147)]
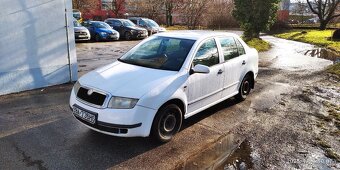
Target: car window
[(116, 23), (142, 23), (207, 54), (240, 47), (229, 48), (134, 21), (160, 53)]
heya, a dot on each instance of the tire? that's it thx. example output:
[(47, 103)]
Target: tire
[(167, 123), (128, 36), (244, 89), (97, 38)]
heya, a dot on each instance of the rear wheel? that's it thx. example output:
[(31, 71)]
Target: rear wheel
[(167, 123), (244, 89)]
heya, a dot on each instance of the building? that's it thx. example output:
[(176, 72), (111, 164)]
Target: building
[(283, 12), (37, 46)]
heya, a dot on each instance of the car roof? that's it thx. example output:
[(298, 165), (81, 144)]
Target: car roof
[(194, 34), (116, 19)]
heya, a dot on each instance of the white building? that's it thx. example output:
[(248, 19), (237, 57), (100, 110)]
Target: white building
[(37, 47)]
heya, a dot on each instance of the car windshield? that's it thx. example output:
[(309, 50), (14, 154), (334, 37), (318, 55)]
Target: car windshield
[(128, 23), (101, 25), (160, 53), (76, 23), (152, 23)]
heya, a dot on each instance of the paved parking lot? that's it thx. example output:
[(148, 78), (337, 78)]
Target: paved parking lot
[(38, 131)]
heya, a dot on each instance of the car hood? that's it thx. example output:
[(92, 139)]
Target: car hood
[(125, 80), (106, 30), (80, 29), (136, 28)]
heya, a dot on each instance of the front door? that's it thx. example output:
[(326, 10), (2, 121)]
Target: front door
[(204, 89)]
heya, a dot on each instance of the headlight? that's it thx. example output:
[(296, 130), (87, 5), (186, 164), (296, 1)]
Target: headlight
[(76, 87), (103, 33), (122, 103)]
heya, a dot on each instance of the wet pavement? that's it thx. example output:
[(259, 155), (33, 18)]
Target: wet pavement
[(275, 128)]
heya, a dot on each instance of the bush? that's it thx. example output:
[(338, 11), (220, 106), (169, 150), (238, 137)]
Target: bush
[(336, 35)]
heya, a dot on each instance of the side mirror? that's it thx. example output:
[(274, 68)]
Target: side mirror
[(199, 68)]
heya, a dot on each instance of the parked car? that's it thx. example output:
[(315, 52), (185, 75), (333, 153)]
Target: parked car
[(101, 31), (149, 24), (127, 29), (80, 32), (164, 79)]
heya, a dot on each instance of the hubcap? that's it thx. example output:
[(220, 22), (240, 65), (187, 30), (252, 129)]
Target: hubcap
[(169, 123), (246, 87)]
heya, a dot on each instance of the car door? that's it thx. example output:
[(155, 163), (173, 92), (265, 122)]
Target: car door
[(118, 26), (205, 89), (233, 65), (92, 29)]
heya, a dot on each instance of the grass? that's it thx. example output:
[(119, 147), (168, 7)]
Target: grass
[(259, 44), (316, 37), (334, 69), (176, 27)]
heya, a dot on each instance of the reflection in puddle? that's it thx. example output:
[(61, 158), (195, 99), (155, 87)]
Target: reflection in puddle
[(240, 160), (323, 53)]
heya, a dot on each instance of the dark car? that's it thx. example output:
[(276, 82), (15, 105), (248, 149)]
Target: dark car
[(101, 31), (80, 32), (127, 29), (149, 24)]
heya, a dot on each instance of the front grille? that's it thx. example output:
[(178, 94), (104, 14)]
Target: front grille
[(94, 98), (80, 33)]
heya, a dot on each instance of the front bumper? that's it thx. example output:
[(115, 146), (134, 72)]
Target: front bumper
[(134, 122), (110, 37), (139, 35)]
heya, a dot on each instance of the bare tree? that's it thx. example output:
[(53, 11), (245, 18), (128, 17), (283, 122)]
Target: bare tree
[(301, 9), (118, 7), (146, 8), (219, 14), (84, 4), (193, 11), (325, 9), (170, 7)]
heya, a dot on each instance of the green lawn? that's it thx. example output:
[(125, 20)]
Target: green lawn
[(317, 37), (259, 44)]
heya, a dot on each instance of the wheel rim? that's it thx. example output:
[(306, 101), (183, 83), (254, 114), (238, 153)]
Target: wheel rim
[(168, 124), (128, 36), (246, 87)]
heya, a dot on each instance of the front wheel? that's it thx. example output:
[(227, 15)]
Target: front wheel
[(128, 36), (244, 89), (97, 38), (167, 123)]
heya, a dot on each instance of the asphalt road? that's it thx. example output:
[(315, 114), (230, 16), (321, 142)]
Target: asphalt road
[(38, 131)]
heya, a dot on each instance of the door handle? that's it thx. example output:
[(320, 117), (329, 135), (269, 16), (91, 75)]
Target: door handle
[(220, 71), (244, 62)]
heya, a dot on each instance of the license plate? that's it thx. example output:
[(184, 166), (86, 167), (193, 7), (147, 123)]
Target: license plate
[(112, 36), (81, 36), (88, 117)]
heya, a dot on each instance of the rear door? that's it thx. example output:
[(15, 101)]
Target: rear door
[(233, 65), (204, 89)]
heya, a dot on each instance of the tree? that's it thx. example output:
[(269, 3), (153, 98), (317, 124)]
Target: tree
[(255, 16), (170, 7), (193, 11), (118, 7), (84, 4), (301, 9), (325, 10), (146, 8)]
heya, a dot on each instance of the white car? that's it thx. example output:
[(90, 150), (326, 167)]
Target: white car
[(166, 78)]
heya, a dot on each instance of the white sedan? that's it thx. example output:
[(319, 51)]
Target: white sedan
[(166, 78)]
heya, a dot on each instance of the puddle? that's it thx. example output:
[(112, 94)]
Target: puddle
[(323, 53), (240, 159)]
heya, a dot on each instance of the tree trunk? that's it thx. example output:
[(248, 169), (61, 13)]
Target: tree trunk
[(323, 24)]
